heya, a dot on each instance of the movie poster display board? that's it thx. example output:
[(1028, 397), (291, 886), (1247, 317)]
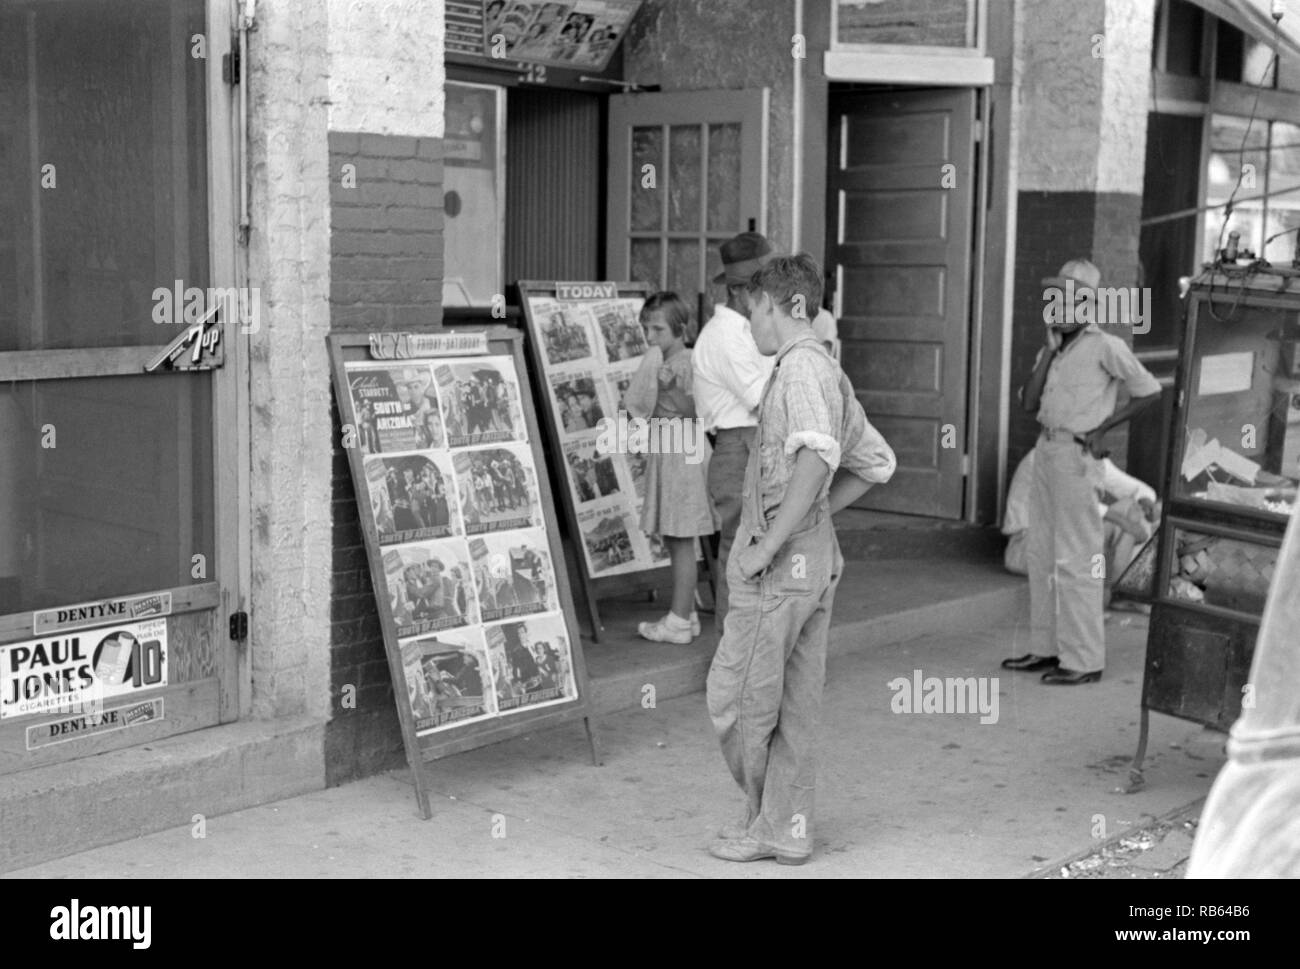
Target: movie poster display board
[(580, 34), (587, 342), (461, 537)]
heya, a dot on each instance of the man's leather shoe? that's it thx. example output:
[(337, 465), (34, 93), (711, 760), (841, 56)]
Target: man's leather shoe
[(1063, 677), (1030, 663), (749, 849)]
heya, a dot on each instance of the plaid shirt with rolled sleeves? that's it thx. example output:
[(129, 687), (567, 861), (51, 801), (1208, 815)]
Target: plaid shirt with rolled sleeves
[(809, 402)]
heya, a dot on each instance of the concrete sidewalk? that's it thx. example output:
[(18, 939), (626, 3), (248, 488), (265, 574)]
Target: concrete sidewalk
[(901, 795), (138, 791)]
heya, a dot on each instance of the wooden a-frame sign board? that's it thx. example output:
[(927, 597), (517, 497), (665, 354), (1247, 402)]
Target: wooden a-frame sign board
[(585, 341), (460, 530)]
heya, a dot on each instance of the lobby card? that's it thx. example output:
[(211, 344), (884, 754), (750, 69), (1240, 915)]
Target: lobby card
[(620, 329), (575, 398), (481, 402), (610, 538), (513, 573), (396, 407), (498, 489), (567, 332), (448, 680), (592, 474), (430, 586), (637, 465), (532, 663), (617, 379), (651, 552), (413, 497)]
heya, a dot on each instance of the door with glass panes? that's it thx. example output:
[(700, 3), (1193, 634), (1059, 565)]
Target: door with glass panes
[(117, 486), (687, 173)]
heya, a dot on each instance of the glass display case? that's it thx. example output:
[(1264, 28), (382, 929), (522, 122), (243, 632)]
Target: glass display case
[(1230, 488)]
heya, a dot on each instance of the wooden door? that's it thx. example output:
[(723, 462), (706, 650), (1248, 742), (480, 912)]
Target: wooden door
[(119, 499), (688, 171), (900, 196)]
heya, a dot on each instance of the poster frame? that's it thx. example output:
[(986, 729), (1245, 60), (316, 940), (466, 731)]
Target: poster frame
[(589, 67), (351, 348), (595, 588)]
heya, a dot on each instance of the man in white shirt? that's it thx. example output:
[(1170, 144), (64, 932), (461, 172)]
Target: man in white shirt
[(730, 375), (1129, 508), (828, 331)]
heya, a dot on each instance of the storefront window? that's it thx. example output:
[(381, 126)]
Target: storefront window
[(475, 194), (1261, 162), (105, 488), (1241, 443), (937, 23), (1243, 59), (104, 155), (1283, 209)]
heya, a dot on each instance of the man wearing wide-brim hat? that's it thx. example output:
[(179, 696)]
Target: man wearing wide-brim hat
[(1073, 389), (730, 375)]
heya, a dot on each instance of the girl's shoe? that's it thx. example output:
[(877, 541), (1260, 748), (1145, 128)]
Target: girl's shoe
[(669, 629), (695, 623)]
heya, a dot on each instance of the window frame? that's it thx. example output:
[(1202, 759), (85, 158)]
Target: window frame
[(976, 37)]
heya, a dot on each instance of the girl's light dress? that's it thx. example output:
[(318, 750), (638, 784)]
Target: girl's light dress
[(676, 488)]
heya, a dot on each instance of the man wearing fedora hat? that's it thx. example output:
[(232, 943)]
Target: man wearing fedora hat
[(1073, 389), (730, 375)]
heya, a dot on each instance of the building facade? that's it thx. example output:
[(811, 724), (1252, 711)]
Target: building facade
[(360, 165)]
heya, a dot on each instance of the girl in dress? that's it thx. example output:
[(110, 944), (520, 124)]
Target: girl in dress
[(677, 506)]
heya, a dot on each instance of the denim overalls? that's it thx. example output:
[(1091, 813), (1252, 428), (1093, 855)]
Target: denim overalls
[(765, 684)]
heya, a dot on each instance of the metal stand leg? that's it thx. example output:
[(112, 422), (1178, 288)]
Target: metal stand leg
[(1135, 779), (422, 801), (596, 759), (594, 612)]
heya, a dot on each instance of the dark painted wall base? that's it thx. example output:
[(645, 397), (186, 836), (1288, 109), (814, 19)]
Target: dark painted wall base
[(386, 269)]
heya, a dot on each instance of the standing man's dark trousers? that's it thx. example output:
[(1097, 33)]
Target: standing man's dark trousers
[(726, 481)]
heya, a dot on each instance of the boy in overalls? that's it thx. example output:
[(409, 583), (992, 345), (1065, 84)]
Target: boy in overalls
[(816, 454)]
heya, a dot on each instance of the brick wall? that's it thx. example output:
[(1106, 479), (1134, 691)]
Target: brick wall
[(386, 269)]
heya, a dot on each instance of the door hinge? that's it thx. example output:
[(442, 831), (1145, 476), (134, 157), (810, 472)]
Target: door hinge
[(965, 465), (230, 66), (239, 626)]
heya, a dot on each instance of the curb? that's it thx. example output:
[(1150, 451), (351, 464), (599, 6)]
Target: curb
[(1053, 868)]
